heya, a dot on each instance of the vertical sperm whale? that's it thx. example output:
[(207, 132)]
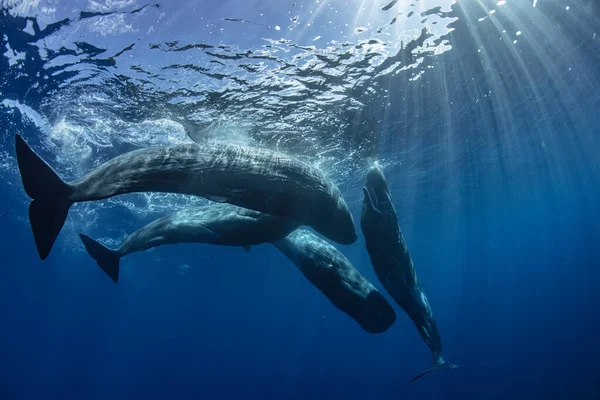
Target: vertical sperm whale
[(393, 265)]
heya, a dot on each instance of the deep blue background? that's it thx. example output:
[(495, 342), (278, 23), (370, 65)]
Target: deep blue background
[(506, 246), (513, 286)]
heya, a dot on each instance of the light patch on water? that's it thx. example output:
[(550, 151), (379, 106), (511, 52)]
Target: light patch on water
[(70, 143), (109, 5), (7, 162), (29, 28), (501, 3), (21, 8), (153, 133), (14, 57), (223, 129), (42, 10), (62, 60), (110, 25), (28, 113), (76, 144)]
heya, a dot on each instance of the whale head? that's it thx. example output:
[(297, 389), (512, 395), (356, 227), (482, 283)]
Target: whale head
[(377, 186), (377, 203), (376, 315)]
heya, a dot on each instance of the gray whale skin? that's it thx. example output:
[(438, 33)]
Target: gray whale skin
[(330, 272), (393, 265), (219, 224), (258, 179)]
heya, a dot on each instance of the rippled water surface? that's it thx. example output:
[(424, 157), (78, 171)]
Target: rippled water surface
[(484, 114)]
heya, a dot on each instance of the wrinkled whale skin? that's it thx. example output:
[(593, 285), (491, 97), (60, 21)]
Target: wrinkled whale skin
[(333, 274), (248, 177), (218, 224), (258, 179)]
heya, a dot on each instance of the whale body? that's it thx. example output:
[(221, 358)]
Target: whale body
[(257, 179), (393, 265), (219, 224), (333, 274)]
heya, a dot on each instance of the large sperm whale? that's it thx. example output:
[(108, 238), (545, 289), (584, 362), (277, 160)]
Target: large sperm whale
[(328, 270), (219, 224), (393, 265), (258, 179)]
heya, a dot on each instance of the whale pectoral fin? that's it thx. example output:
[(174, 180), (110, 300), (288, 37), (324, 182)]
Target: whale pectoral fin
[(369, 201), (217, 199), (247, 248)]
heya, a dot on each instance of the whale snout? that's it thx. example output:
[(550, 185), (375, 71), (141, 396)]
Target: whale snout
[(376, 186), (377, 315), (375, 173), (376, 179)]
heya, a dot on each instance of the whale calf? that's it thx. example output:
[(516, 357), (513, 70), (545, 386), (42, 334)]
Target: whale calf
[(258, 179), (328, 270), (220, 224), (393, 265)]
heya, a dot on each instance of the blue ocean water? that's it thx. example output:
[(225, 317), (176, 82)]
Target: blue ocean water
[(485, 116)]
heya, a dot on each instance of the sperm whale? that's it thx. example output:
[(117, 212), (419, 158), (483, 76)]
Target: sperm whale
[(257, 179), (219, 224), (393, 265), (333, 274)]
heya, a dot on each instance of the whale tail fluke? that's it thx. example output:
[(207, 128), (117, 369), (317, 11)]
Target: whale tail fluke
[(106, 258), (50, 194), (439, 365)]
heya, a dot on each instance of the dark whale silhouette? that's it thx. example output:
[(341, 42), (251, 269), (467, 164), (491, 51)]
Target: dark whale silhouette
[(220, 224), (330, 272), (257, 179), (393, 265)]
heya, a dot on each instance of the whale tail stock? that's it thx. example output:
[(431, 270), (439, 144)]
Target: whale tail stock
[(50, 197), (106, 258), (438, 365)]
